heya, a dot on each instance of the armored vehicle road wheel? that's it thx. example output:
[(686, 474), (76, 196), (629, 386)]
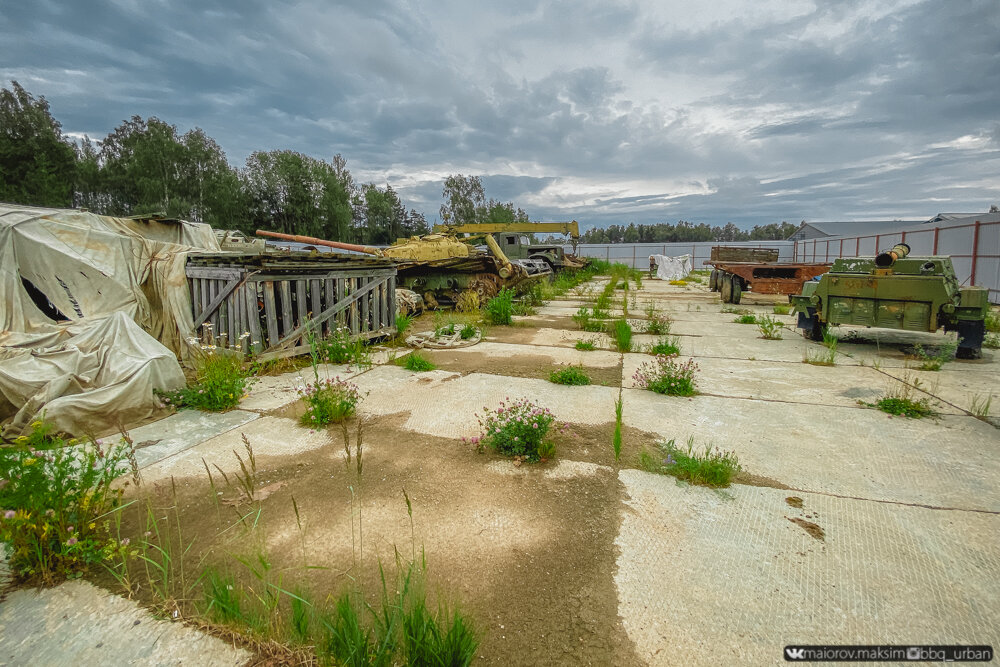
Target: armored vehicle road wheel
[(812, 328), (970, 339), (736, 290), (725, 287)]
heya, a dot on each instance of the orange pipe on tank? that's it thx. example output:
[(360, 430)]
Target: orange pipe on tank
[(311, 240)]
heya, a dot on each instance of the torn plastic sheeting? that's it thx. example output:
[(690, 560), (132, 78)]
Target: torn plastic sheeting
[(97, 374), (85, 265), (672, 268)]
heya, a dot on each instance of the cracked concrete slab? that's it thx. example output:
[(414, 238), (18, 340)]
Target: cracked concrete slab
[(948, 462), (78, 623), (181, 431), (708, 578), (269, 436), (446, 405)]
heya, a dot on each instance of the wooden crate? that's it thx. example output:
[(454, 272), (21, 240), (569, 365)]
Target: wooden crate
[(275, 297)]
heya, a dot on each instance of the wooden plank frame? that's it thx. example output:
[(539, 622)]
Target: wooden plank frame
[(277, 307)]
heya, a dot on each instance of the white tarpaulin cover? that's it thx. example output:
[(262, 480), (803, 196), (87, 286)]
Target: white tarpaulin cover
[(88, 378), (672, 268), (93, 311)]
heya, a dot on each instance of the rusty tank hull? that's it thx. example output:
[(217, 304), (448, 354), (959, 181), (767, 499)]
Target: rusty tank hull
[(439, 267)]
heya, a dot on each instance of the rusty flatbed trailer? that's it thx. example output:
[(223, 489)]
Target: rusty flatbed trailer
[(731, 279)]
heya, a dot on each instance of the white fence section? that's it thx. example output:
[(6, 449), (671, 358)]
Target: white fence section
[(637, 255), (973, 245)]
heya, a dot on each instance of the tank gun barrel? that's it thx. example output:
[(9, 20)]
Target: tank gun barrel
[(368, 250), (887, 258)]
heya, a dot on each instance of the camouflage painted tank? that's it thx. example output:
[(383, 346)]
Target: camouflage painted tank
[(895, 291)]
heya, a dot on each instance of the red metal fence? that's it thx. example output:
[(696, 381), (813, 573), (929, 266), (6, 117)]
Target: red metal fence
[(974, 249)]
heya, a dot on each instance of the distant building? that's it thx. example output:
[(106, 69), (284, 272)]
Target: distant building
[(815, 230)]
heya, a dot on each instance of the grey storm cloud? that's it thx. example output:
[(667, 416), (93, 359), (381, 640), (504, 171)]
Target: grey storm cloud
[(602, 111)]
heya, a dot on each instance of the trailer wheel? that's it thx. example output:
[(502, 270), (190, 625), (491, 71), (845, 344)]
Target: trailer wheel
[(970, 339), (725, 287), (737, 289), (713, 280)]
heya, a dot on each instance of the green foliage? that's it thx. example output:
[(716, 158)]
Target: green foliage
[(623, 335), (736, 311), (516, 428), (980, 406), (340, 348), (658, 326), (53, 496), (397, 629), (746, 319), (220, 383), (403, 324), (906, 407), (666, 347), (827, 358), (666, 375), (899, 401), (585, 345), (685, 232), (37, 162), (992, 321), (782, 308), (991, 341), (500, 309), (616, 440), (328, 401), (570, 375), (933, 361), (710, 467), (416, 362), (769, 327), (468, 332)]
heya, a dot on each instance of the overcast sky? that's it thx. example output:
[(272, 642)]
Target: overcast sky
[(606, 112)]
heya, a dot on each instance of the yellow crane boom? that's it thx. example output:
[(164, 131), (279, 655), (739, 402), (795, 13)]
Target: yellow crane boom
[(570, 228)]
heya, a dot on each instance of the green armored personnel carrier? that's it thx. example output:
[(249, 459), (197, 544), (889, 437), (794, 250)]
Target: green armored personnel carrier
[(894, 291)]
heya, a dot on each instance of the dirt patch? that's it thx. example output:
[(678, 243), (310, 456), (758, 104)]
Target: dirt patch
[(581, 442), (538, 366), (794, 501), (525, 329), (813, 529), (751, 479), (529, 556)]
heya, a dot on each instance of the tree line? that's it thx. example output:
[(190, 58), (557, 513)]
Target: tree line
[(686, 232), (146, 165)]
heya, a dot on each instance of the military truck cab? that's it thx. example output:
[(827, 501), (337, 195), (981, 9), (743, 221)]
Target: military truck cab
[(519, 246)]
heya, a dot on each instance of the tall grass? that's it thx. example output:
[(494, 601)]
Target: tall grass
[(623, 336)]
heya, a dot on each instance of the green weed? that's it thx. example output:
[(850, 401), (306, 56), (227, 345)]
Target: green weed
[(403, 324), (899, 401), (221, 381), (500, 309), (623, 335), (616, 442), (570, 376), (585, 345), (782, 308), (934, 360), (711, 467), (416, 363), (665, 375), (746, 319), (54, 494), (770, 328), (666, 347)]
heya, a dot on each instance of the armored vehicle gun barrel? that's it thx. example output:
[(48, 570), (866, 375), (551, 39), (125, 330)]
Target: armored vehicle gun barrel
[(887, 258), (311, 240)]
